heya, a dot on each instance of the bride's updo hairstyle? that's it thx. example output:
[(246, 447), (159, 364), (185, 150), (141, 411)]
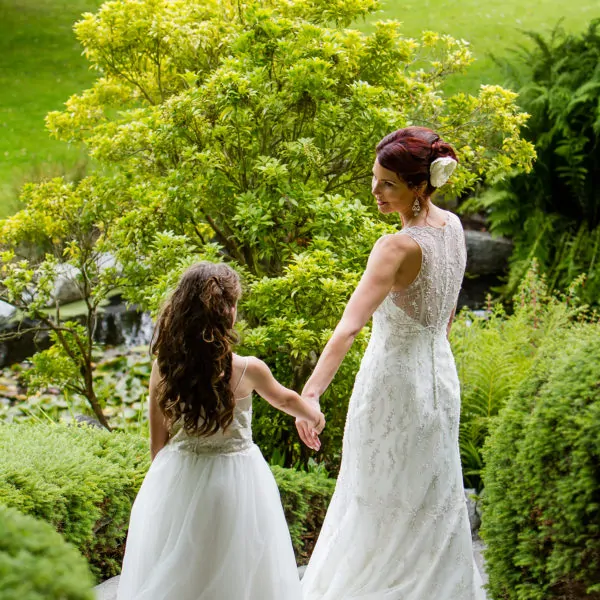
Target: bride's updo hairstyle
[(193, 342), (409, 153)]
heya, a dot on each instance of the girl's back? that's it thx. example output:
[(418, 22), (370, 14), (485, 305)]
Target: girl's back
[(236, 438)]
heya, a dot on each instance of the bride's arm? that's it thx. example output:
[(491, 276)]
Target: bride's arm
[(387, 259), (449, 327)]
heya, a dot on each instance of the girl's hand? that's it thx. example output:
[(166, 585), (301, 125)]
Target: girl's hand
[(309, 430), (308, 434)]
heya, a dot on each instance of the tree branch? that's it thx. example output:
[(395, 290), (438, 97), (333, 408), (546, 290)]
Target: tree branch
[(224, 239), (329, 187)]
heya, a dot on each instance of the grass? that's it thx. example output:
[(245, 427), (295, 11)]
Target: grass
[(41, 65), (490, 26)]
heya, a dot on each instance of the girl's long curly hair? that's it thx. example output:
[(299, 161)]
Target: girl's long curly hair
[(193, 341)]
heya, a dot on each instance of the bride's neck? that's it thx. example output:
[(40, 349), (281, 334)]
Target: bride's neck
[(427, 210)]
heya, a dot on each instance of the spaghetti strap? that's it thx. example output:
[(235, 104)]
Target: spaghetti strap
[(237, 385)]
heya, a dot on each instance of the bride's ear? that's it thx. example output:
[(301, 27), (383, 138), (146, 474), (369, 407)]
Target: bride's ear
[(419, 190)]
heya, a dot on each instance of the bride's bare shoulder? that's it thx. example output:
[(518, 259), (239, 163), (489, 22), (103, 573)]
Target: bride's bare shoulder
[(396, 242)]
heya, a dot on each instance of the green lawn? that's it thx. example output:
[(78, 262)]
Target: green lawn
[(40, 67), (490, 26), (41, 64)]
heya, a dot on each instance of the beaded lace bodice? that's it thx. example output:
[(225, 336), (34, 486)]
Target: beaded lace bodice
[(431, 297), (237, 438)]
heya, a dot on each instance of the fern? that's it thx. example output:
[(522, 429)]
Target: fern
[(553, 213), (494, 355)]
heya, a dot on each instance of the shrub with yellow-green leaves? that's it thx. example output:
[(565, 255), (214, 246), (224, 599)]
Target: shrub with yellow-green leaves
[(246, 132)]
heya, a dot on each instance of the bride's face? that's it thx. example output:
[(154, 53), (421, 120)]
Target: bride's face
[(391, 193)]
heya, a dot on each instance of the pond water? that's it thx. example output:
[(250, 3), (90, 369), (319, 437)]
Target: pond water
[(118, 325)]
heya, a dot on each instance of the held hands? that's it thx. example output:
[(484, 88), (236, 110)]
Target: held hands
[(309, 429)]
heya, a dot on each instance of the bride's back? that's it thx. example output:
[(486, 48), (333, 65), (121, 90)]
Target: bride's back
[(430, 299)]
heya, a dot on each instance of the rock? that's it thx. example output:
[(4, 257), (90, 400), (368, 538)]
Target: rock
[(486, 255), (108, 589), (474, 516), (475, 290), (18, 349), (67, 286), (478, 504), (7, 311), (90, 421), (478, 552)]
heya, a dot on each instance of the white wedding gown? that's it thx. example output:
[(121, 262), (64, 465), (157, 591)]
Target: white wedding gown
[(208, 523), (397, 527)]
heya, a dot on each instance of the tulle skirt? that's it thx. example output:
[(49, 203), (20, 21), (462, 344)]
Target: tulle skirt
[(208, 528)]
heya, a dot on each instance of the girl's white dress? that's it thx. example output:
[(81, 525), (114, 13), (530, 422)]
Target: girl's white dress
[(397, 527), (208, 523)]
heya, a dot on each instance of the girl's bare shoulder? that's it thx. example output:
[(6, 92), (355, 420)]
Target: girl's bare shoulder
[(254, 367)]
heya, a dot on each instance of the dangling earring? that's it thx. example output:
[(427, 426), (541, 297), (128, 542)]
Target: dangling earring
[(416, 207)]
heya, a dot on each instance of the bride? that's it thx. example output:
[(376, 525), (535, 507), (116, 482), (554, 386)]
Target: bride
[(397, 527)]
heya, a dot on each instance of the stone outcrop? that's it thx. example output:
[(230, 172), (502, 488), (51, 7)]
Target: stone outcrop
[(487, 255)]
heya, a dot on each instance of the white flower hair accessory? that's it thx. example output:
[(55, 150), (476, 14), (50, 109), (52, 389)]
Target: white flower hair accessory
[(440, 170)]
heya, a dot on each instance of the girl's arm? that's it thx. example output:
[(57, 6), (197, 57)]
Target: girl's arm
[(159, 434), (285, 400)]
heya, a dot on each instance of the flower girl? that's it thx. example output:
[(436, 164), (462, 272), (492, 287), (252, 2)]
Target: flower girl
[(208, 523)]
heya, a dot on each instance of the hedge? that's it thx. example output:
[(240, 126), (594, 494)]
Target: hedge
[(541, 507), (83, 482), (37, 564), (80, 480), (305, 498)]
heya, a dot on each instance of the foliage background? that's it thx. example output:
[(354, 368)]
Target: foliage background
[(37, 564), (553, 212), (244, 134), (41, 65), (540, 517)]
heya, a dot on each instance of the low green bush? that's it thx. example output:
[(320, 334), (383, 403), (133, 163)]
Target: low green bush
[(305, 498), (80, 480), (541, 508), (83, 482), (37, 564), (494, 354)]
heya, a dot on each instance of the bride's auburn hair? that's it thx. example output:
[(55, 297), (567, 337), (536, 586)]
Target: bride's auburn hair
[(192, 342), (409, 153)]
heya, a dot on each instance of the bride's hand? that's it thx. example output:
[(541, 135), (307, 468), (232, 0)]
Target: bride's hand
[(319, 423)]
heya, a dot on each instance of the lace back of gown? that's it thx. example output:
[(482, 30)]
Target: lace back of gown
[(235, 439), (432, 296)]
